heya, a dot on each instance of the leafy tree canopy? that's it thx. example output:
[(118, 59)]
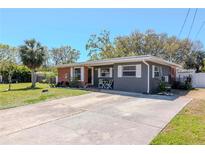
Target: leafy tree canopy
[(32, 54), (64, 54), (149, 43)]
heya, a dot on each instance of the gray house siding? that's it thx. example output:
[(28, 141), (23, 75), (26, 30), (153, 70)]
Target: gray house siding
[(131, 84), (154, 82)]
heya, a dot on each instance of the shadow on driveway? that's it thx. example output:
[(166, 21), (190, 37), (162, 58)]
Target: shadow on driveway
[(176, 94)]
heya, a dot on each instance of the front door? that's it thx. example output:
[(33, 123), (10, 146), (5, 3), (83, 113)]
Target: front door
[(89, 75)]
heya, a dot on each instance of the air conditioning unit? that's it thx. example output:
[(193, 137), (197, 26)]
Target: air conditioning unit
[(166, 78)]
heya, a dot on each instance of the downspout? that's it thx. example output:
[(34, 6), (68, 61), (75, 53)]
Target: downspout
[(148, 76)]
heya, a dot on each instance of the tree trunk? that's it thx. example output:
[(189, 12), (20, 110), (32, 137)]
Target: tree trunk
[(9, 78), (33, 79)]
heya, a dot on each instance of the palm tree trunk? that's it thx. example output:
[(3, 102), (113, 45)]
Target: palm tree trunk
[(33, 80)]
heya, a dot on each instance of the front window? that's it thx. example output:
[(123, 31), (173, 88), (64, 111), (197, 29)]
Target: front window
[(105, 72), (77, 74), (129, 71), (156, 71)]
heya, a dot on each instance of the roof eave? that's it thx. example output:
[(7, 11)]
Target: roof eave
[(121, 60)]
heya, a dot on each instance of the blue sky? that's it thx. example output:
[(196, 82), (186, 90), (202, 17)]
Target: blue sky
[(56, 27)]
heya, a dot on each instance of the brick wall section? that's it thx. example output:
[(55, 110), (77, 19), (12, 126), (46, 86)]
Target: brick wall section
[(63, 74), (173, 73)]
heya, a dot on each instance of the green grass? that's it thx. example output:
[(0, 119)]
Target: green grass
[(22, 94), (187, 127)]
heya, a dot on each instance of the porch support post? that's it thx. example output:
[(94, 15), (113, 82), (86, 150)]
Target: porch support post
[(71, 74), (82, 74), (148, 76), (92, 75), (85, 74)]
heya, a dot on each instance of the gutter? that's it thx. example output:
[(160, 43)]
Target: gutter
[(148, 76)]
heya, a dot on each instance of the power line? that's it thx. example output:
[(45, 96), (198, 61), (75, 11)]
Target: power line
[(192, 23), (187, 14), (202, 25)]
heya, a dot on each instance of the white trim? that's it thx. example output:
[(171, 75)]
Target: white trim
[(82, 73), (148, 76), (123, 60), (159, 70), (92, 75), (129, 71), (138, 71), (71, 73), (153, 67), (99, 72), (110, 72), (119, 71)]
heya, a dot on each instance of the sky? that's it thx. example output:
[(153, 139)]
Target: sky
[(57, 27)]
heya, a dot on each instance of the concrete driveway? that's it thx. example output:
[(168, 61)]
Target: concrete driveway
[(94, 118)]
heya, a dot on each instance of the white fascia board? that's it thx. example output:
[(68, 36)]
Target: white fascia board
[(122, 60), (163, 62)]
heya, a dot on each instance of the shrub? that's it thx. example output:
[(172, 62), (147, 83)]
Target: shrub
[(162, 86), (62, 84), (76, 84), (21, 74), (46, 77), (51, 77), (185, 85), (188, 84)]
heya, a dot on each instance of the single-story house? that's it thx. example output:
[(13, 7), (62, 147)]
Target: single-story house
[(132, 74)]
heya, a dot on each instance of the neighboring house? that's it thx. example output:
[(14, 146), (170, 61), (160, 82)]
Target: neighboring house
[(133, 74)]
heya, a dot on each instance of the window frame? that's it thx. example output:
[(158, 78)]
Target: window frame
[(128, 71), (109, 73), (74, 76), (159, 71)]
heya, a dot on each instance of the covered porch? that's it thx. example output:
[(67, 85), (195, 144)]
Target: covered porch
[(89, 76)]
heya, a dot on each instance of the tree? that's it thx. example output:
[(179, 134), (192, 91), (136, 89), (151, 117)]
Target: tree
[(129, 45), (64, 54), (171, 46), (8, 53), (7, 67), (149, 43), (32, 54), (100, 46), (195, 61), (153, 43)]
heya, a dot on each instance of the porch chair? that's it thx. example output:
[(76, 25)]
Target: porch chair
[(109, 84), (100, 83)]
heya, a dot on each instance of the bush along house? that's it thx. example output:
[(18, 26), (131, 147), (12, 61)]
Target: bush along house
[(132, 74)]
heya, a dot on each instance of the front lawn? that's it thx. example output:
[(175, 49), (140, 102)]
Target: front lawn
[(187, 127), (22, 94)]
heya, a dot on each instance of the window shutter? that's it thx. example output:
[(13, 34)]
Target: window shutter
[(119, 71), (82, 73), (99, 75), (71, 73), (111, 72), (153, 67), (138, 71), (161, 72)]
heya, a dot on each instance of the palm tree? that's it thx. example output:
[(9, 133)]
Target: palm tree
[(32, 54)]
